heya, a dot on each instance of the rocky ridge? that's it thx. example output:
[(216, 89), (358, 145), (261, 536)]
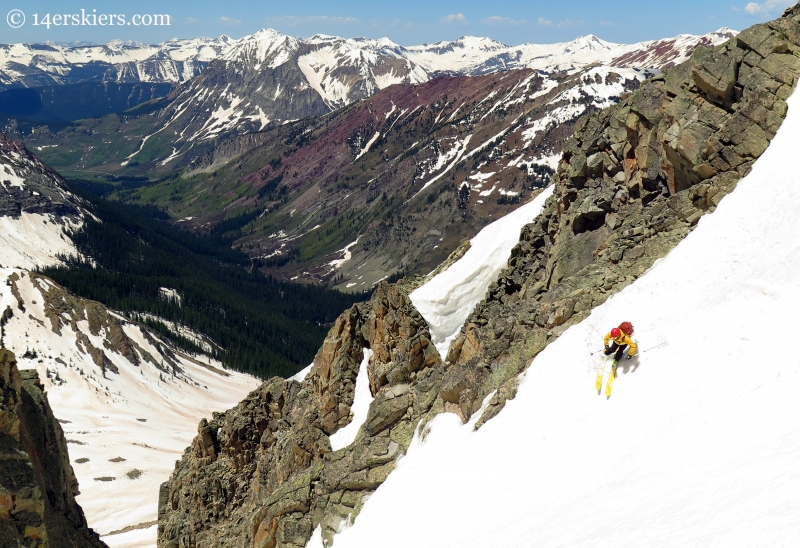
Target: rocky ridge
[(633, 182), (29, 186), (38, 487), (264, 473)]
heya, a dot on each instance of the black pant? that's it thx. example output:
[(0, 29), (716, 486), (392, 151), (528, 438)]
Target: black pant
[(619, 349)]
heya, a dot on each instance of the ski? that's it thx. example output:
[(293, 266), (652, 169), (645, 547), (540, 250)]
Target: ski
[(598, 383), (611, 377)]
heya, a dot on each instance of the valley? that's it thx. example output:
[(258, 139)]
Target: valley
[(273, 291), (347, 191)]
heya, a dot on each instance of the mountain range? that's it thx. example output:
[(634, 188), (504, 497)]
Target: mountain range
[(277, 133)]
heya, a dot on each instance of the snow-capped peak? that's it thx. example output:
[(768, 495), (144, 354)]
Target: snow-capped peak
[(266, 44)]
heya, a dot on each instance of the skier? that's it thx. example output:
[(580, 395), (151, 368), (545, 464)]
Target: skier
[(620, 338)]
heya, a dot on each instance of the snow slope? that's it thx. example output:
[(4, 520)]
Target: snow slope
[(141, 418), (699, 444), (449, 297), (33, 239)]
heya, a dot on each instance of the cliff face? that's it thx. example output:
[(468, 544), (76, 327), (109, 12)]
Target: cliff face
[(264, 474), (632, 183), (37, 484)]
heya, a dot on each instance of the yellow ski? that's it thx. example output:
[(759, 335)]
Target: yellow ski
[(611, 377), (598, 384)]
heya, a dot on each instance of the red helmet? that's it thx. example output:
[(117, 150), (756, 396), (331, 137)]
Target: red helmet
[(615, 332)]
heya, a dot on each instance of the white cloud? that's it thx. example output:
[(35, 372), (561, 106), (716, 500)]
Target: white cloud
[(767, 8), (455, 18), (297, 21), (567, 23), (542, 22), (606, 23), (229, 21), (192, 21), (497, 21)]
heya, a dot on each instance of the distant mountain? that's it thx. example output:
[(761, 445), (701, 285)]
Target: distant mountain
[(473, 56), (669, 52), (269, 78), (395, 161), (174, 61)]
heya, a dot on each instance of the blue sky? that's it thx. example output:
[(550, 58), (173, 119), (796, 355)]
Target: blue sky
[(406, 22)]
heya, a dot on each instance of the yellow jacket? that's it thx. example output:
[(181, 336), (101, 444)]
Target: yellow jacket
[(622, 340)]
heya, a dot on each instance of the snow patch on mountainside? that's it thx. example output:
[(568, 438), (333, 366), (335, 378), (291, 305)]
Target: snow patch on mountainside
[(9, 177), (32, 240), (125, 430), (361, 402), (448, 298), (700, 441)]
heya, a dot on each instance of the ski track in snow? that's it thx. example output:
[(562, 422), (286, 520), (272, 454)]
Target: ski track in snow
[(699, 444), (101, 416), (449, 297)]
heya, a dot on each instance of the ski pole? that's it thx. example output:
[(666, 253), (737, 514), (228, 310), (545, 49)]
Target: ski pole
[(662, 343)]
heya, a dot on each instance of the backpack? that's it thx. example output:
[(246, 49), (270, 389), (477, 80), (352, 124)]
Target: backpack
[(626, 328)]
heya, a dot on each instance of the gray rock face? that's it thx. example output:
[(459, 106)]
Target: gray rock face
[(37, 484), (632, 183)]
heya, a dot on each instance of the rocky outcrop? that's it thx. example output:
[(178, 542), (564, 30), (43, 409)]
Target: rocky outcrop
[(27, 185), (37, 484), (632, 183), (264, 474)]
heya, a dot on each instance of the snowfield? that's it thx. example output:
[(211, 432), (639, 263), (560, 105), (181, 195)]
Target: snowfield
[(699, 445), (124, 431)]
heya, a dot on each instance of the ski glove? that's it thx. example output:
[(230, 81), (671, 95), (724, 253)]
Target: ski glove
[(605, 349), (629, 356)]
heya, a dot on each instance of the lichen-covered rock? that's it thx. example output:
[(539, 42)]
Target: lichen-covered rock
[(37, 484)]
